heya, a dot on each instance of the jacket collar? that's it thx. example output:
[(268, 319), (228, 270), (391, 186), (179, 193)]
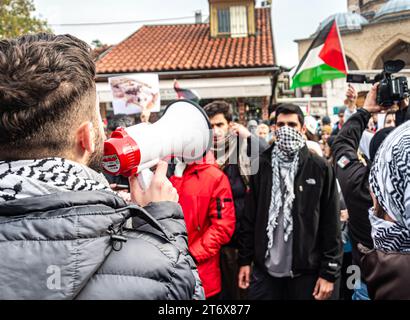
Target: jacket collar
[(60, 200)]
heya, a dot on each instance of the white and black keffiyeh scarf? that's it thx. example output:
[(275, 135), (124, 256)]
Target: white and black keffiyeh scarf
[(389, 236), (233, 150), (390, 183), (285, 159), (30, 178)]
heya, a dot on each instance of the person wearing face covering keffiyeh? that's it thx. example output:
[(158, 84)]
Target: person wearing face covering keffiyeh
[(284, 165), (291, 229), (386, 268)]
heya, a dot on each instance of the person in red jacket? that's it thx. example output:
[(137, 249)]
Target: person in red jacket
[(206, 199)]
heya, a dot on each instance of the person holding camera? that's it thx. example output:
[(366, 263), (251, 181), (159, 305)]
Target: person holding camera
[(64, 233), (391, 90), (352, 174)]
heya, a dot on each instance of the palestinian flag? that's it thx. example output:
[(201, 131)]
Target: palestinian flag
[(325, 59), (186, 93)]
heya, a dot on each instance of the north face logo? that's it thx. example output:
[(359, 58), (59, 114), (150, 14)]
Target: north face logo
[(311, 181)]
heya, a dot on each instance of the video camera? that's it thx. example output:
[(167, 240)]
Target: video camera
[(391, 90)]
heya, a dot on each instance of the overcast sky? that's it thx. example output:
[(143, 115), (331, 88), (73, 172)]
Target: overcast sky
[(292, 19)]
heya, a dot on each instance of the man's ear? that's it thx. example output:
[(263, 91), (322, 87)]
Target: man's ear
[(303, 130), (84, 140)]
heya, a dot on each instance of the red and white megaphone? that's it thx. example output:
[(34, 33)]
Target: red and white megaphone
[(184, 131)]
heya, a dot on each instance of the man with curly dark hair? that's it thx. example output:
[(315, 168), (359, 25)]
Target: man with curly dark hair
[(64, 233)]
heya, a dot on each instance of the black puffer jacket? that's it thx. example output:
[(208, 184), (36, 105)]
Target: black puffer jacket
[(353, 177), (70, 246)]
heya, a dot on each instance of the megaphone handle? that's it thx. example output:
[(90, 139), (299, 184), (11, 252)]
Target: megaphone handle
[(148, 165), (145, 175), (144, 178)]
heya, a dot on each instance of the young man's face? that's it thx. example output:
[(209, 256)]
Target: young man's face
[(220, 126), (290, 120)]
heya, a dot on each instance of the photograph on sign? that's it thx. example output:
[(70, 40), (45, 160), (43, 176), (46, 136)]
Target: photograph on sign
[(135, 93)]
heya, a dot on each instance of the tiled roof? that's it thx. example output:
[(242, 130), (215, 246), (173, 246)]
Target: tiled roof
[(97, 52), (186, 47)]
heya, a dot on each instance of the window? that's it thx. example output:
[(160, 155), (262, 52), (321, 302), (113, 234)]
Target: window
[(224, 21), (233, 21), (239, 21)]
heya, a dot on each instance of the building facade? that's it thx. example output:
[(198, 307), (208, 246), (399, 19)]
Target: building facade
[(230, 57)]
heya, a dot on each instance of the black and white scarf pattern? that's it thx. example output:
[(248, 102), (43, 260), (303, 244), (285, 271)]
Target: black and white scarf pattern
[(30, 178), (233, 150), (285, 159), (389, 236), (390, 183)]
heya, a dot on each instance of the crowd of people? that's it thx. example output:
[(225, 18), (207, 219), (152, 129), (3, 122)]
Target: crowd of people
[(275, 211)]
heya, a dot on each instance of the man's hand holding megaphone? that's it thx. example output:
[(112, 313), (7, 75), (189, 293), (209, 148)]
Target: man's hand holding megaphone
[(159, 190), (184, 132)]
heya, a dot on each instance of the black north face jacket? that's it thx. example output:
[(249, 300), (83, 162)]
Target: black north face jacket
[(317, 246)]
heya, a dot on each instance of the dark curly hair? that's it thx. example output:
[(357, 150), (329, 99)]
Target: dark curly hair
[(219, 107), (287, 108), (46, 88)]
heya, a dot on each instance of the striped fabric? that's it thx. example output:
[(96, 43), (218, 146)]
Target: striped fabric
[(285, 160), (389, 236), (390, 182)]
